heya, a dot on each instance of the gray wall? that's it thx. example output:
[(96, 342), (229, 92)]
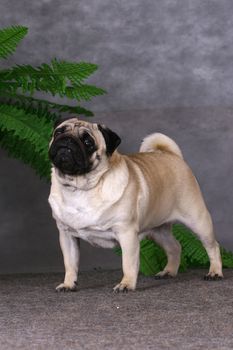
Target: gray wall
[(167, 66)]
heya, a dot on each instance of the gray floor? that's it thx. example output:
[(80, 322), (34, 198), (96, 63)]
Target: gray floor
[(184, 313)]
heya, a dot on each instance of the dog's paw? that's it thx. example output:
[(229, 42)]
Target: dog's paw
[(65, 288), (164, 275), (122, 288), (213, 277)]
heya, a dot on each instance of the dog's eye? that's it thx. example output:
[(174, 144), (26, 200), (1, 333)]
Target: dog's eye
[(60, 131), (88, 142)]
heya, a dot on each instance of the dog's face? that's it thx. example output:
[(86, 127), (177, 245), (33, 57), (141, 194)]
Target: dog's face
[(77, 147)]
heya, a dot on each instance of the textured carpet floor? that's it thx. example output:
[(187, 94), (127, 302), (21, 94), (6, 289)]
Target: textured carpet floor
[(183, 313)]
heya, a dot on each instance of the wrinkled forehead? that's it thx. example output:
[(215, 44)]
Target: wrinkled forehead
[(78, 126)]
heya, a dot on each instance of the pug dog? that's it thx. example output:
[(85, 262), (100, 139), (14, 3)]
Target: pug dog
[(109, 199)]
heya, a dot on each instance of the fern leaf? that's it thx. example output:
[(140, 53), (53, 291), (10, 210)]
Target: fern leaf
[(75, 72), (152, 258), (83, 92), (192, 249), (227, 258), (61, 69), (10, 38), (25, 121), (73, 109), (59, 78), (25, 151), (26, 127), (7, 86), (29, 102)]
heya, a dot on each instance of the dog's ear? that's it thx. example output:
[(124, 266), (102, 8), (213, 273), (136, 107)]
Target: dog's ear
[(112, 140)]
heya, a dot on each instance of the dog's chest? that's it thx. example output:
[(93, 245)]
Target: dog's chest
[(77, 211), (84, 217)]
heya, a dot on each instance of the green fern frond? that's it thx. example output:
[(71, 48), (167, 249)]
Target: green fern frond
[(25, 125), (75, 72), (38, 109), (227, 258), (26, 122), (192, 248), (30, 132), (10, 38), (25, 151), (60, 78), (73, 109), (152, 258), (83, 92), (7, 87), (37, 104)]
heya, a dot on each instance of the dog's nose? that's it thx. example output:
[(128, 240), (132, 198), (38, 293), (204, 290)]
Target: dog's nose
[(63, 158), (69, 141), (64, 154)]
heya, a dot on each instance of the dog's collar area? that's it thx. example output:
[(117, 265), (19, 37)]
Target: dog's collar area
[(63, 181)]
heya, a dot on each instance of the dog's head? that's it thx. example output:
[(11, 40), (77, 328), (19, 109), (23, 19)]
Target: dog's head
[(77, 147)]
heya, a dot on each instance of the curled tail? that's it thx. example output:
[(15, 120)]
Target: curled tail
[(160, 142)]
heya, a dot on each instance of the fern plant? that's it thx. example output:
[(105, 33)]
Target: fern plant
[(26, 122)]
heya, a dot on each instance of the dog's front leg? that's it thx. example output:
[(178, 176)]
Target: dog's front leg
[(70, 248), (130, 247)]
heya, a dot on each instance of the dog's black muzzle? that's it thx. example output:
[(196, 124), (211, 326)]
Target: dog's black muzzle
[(69, 155)]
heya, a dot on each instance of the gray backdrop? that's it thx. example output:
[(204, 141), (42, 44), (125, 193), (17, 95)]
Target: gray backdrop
[(167, 66)]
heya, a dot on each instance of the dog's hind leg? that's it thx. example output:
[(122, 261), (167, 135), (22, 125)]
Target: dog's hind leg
[(200, 222), (163, 236)]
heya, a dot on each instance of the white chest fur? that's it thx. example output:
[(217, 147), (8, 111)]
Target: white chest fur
[(85, 214), (77, 210), (82, 217)]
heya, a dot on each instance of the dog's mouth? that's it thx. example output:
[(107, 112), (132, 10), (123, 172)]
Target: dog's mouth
[(69, 156)]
